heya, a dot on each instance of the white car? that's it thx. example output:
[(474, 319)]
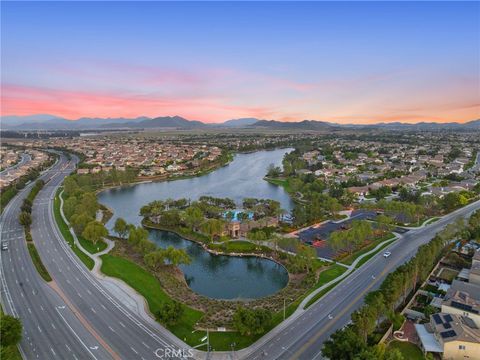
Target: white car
[(387, 254), (4, 246)]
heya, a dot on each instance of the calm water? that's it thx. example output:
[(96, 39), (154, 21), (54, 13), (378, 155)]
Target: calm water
[(225, 277), (222, 277)]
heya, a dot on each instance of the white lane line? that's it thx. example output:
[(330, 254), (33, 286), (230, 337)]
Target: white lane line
[(135, 351), (121, 324), (148, 347), (76, 335)]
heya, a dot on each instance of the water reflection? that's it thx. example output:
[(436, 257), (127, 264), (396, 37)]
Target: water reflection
[(221, 277)]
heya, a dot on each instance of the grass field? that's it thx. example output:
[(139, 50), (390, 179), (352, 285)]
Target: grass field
[(67, 235), (239, 247), (409, 351), (281, 182), (37, 261), (324, 278), (90, 247)]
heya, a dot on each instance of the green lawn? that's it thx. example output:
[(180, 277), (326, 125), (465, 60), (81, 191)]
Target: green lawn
[(280, 182), (351, 258), (240, 246), (409, 351), (37, 261), (67, 235), (90, 247), (148, 286), (325, 277)]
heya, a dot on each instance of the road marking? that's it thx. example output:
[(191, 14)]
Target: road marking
[(135, 351), (148, 347), (121, 324), (93, 310), (39, 329), (68, 347)]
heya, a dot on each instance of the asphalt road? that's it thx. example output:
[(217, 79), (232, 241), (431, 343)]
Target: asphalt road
[(25, 158), (51, 330), (120, 332), (304, 337)]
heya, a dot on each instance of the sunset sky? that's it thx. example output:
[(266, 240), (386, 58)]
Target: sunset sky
[(345, 62)]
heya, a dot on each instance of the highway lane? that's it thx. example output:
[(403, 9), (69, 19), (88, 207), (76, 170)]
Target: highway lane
[(51, 330), (127, 335), (25, 158), (304, 337)]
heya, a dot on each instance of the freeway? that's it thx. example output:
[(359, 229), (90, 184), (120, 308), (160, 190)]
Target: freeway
[(51, 330), (122, 333), (303, 336)]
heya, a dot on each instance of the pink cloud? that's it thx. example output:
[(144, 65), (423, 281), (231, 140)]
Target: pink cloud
[(24, 100)]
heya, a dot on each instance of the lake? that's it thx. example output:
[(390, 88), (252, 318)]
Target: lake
[(215, 276)]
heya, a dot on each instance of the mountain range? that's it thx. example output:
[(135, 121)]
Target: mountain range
[(51, 122)]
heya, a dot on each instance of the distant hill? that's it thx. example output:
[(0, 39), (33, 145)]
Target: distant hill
[(242, 122), (301, 125), (177, 122), (52, 122)]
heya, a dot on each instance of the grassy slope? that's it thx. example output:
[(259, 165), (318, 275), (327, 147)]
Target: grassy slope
[(325, 277), (68, 236)]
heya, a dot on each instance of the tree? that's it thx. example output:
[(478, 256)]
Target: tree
[(273, 171), (25, 219), (80, 221), (94, 231), (170, 312), (88, 204), (145, 246), (121, 227), (343, 345), (176, 256), (155, 259), (193, 217), (212, 227), (386, 223), (10, 330), (70, 186), (364, 321), (69, 206), (248, 321), (136, 235)]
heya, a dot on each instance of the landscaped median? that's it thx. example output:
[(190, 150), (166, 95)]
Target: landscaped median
[(37, 261), (25, 219)]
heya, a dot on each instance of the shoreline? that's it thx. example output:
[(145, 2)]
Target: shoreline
[(214, 252), (167, 178)]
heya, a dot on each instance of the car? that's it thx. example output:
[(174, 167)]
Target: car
[(387, 254), (4, 246)]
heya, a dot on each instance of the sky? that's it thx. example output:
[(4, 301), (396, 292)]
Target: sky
[(344, 62)]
